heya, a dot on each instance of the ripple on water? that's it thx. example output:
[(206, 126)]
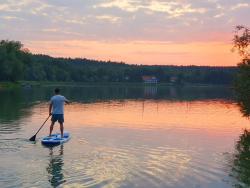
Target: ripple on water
[(12, 144), (7, 128), (166, 167), (161, 166), (143, 165), (102, 167), (125, 166), (8, 179)]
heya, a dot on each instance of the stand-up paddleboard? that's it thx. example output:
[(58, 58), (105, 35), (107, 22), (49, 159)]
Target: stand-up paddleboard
[(55, 139)]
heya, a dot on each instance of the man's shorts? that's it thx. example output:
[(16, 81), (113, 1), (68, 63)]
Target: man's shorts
[(57, 117)]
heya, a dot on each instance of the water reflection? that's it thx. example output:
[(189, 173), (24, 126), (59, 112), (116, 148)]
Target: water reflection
[(94, 93), (245, 106), (150, 91), (147, 136), (55, 166), (12, 103), (18, 103), (243, 99), (241, 158), (241, 161)]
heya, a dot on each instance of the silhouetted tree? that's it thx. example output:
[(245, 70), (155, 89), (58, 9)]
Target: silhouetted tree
[(241, 44), (11, 60)]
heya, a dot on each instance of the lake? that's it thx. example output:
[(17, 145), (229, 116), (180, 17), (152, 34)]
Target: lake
[(126, 136)]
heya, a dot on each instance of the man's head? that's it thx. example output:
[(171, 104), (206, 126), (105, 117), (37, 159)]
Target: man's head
[(57, 91)]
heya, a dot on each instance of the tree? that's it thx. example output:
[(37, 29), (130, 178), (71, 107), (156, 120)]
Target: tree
[(241, 44), (242, 41), (12, 59)]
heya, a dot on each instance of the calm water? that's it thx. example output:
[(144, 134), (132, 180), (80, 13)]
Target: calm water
[(126, 137)]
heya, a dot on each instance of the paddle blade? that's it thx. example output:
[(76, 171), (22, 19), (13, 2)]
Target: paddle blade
[(33, 138)]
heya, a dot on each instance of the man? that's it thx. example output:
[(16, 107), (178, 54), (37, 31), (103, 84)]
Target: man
[(57, 108)]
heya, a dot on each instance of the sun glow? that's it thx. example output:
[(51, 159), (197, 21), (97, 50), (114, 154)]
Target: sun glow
[(141, 52)]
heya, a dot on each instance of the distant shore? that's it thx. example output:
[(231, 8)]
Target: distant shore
[(31, 84)]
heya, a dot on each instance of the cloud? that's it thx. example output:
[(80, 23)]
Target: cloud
[(51, 30), (14, 6), (109, 18), (173, 8), (122, 21), (219, 15), (40, 9), (80, 21), (126, 5), (12, 18), (240, 5)]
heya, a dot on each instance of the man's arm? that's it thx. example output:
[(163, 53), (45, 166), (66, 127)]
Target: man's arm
[(50, 108), (67, 101)]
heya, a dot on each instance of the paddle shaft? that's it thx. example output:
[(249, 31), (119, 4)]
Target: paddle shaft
[(42, 125)]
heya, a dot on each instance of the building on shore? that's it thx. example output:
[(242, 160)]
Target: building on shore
[(150, 79)]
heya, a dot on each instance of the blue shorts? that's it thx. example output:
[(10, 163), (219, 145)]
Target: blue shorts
[(57, 117)]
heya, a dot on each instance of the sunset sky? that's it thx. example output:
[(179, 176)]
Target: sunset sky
[(164, 32)]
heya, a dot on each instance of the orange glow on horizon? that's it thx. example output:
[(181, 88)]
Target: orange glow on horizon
[(141, 52)]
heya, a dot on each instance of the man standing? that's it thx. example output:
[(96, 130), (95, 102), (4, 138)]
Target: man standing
[(57, 108)]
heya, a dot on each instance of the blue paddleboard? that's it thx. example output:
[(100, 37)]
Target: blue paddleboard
[(55, 139)]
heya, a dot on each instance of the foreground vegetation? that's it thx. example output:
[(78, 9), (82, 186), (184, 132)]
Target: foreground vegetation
[(17, 63), (242, 86)]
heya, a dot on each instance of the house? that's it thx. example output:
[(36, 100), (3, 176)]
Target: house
[(173, 79), (150, 79)]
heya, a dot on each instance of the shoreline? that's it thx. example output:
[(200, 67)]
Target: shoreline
[(9, 85), (30, 84)]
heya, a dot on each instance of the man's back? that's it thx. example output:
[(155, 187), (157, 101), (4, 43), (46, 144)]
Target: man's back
[(57, 102)]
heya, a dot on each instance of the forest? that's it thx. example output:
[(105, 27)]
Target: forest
[(18, 64)]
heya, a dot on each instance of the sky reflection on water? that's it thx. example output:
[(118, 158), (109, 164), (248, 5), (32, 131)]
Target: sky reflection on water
[(129, 140)]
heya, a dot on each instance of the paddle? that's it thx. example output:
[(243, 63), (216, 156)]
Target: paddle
[(33, 138)]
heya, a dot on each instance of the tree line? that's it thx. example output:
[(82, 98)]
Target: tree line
[(17, 63)]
